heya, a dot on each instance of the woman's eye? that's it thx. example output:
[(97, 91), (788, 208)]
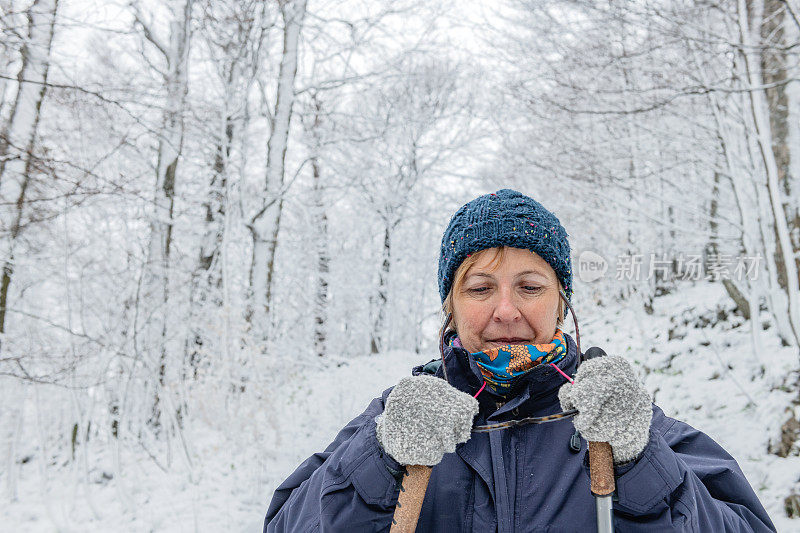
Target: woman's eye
[(531, 288), (478, 290)]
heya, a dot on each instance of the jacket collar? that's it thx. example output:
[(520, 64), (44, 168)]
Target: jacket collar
[(536, 392)]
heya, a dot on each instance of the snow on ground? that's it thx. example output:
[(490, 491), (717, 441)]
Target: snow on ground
[(236, 460), (707, 376)]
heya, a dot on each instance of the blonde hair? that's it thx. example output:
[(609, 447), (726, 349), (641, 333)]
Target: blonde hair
[(494, 262)]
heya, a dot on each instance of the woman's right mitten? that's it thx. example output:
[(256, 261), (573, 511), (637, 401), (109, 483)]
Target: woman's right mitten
[(424, 418)]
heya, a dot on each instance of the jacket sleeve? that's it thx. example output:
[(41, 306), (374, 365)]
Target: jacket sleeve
[(348, 487), (685, 481)]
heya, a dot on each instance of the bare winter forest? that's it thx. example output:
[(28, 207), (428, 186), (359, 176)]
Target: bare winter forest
[(220, 221)]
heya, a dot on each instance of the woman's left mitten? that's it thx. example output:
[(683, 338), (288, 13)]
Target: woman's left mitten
[(613, 406)]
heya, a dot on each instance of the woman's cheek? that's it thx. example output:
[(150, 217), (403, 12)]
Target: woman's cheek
[(474, 320)]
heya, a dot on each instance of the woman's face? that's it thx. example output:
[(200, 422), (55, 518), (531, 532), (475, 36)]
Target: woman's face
[(513, 302)]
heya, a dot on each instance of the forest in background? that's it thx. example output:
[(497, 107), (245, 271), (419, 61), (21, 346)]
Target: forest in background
[(202, 199)]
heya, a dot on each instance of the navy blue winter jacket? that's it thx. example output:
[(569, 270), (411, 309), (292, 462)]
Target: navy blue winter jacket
[(520, 479)]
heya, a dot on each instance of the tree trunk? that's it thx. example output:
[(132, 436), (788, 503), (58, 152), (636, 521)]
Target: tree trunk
[(323, 265), (791, 182), (320, 218), (170, 146), (18, 140), (207, 280), (731, 142), (379, 334), (214, 205), (17, 164), (764, 137), (773, 65), (712, 249), (265, 225)]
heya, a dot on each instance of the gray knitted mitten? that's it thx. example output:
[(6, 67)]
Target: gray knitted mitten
[(613, 406), (425, 417)]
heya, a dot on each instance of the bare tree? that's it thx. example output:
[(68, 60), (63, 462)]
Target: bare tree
[(154, 302), (18, 138), (751, 17), (403, 134), (265, 223), (315, 135), (18, 167), (236, 37)]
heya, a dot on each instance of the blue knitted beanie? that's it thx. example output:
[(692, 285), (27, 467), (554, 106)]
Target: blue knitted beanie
[(504, 218)]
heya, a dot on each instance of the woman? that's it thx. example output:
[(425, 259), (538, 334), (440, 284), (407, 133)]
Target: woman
[(505, 280)]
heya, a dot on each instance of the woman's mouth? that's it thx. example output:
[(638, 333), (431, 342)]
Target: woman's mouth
[(509, 340)]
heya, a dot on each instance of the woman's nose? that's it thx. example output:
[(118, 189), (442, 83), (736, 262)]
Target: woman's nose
[(506, 309)]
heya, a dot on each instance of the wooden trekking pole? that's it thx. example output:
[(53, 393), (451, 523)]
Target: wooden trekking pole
[(601, 474), (415, 480), (412, 494)]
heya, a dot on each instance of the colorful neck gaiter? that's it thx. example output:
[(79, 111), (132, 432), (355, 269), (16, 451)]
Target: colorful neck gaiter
[(501, 367)]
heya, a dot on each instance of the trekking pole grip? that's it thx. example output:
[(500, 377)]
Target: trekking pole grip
[(601, 474), (412, 493), (601, 468)]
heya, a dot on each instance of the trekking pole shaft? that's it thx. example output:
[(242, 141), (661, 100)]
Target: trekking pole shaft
[(604, 514), (601, 473), (412, 494)]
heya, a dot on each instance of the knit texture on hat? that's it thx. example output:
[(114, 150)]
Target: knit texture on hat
[(504, 218)]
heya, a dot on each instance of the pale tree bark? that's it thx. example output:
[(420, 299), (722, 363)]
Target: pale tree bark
[(323, 263), (728, 127), (215, 204), (634, 168), (792, 178), (17, 167), (265, 224), (320, 224), (774, 109), (750, 18), (750, 241), (235, 33), (775, 62), (170, 145), (380, 333), (754, 201), (18, 139), (207, 279)]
